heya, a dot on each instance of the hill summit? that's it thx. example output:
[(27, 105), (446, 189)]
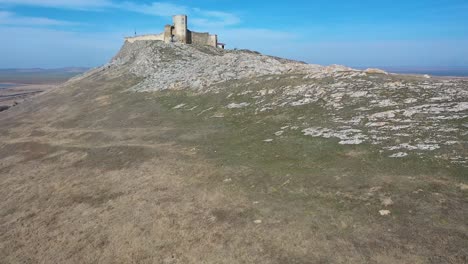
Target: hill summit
[(178, 66)]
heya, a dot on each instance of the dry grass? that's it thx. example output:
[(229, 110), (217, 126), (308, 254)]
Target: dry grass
[(92, 175)]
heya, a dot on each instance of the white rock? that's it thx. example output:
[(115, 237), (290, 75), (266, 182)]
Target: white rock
[(384, 212), (387, 103), (376, 124), (354, 141), (399, 155), (410, 100), (387, 201), (303, 102), (383, 115), (178, 106), (234, 105), (428, 146), (358, 94), (279, 133)]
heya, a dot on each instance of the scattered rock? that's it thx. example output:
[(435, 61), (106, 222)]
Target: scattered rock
[(347, 136), (384, 212), (383, 115), (386, 201), (410, 100), (178, 106), (463, 187), (206, 110), (235, 106), (279, 133), (399, 155), (359, 106), (386, 103), (358, 94), (354, 141)]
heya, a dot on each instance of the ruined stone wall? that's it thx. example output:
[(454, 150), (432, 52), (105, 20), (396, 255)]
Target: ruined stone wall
[(213, 41), (146, 37), (167, 33), (203, 39)]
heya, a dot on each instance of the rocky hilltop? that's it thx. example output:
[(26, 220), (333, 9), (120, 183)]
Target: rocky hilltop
[(401, 114), (189, 154)]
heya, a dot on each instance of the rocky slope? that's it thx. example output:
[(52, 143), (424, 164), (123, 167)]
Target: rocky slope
[(179, 66), (401, 114)]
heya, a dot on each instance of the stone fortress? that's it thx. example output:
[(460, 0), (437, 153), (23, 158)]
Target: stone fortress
[(179, 32)]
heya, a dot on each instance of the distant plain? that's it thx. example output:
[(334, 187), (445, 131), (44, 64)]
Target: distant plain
[(37, 76)]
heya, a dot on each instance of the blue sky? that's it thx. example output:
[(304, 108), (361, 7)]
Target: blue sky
[(416, 33)]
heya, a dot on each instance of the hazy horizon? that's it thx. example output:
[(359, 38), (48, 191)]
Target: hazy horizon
[(398, 67), (434, 71)]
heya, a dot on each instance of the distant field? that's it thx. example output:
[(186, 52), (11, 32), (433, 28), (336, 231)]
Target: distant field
[(38, 76)]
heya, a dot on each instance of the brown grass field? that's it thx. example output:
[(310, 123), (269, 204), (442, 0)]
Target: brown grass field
[(90, 173)]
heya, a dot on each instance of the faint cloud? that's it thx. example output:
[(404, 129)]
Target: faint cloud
[(9, 18), (208, 18), (63, 4), (155, 8), (199, 17)]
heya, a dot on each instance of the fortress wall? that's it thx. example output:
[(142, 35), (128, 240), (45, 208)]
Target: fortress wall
[(146, 37), (203, 39), (167, 33), (213, 41)]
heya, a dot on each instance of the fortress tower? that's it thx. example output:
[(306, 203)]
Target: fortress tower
[(180, 28)]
